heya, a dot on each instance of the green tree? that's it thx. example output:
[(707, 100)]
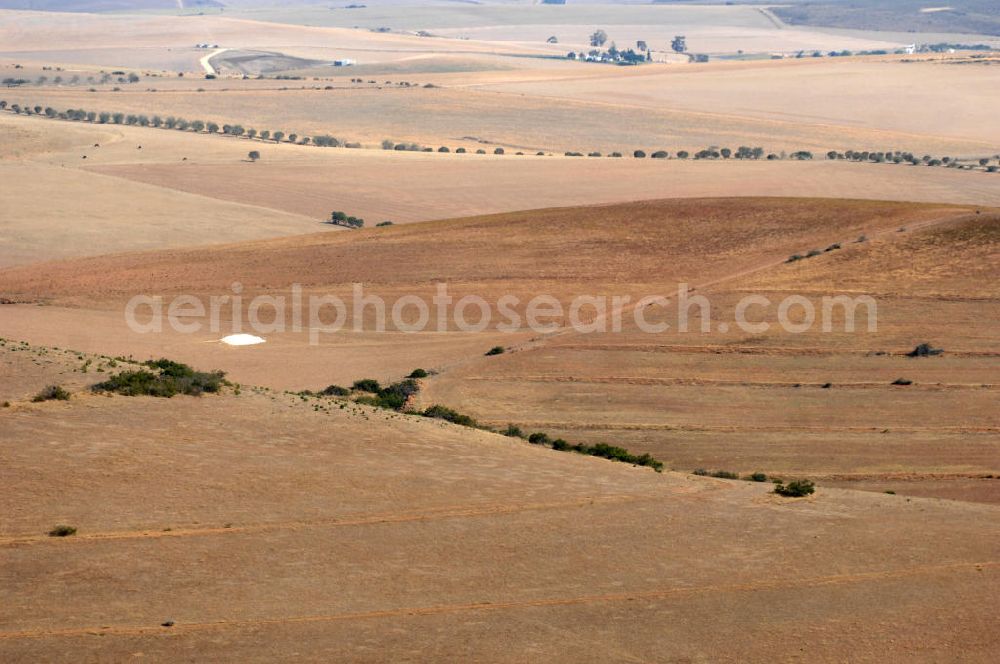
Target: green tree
[(253, 155)]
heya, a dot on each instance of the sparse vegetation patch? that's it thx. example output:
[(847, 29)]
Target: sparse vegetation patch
[(51, 393), (163, 378), (795, 488)]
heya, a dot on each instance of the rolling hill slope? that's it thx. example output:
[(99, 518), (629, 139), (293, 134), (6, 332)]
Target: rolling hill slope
[(254, 526)]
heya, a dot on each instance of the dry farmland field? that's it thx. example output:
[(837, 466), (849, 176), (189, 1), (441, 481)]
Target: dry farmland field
[(681, 361)]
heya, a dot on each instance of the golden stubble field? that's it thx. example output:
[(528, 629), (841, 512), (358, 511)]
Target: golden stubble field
[(813, 403), (258, 526)]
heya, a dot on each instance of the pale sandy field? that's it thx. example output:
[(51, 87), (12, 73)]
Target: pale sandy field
[(709, 28), (788, 106), (182, 189), (492, 90)]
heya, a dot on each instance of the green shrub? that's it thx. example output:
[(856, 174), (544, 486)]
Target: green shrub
[(395, 396), (496, 350), (757, 477), (367, 385), (169, 379), (418, 373), (51, 393), (513, 431), (62, 531), (701, 472), (335, 391), (610, 452), (647, 459), (795, 488), (725, 475), (538, 439), (170, 368), (449, 415), (924, 350)]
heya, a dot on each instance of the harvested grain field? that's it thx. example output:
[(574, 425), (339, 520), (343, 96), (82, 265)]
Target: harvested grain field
[(255, 525), (717, 397), (497, 331)]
